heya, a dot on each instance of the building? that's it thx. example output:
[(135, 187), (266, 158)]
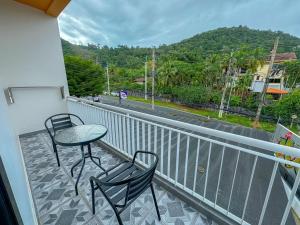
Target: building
[(276, 79)]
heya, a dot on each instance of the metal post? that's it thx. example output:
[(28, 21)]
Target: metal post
[(153, 75), (226, 85), (146, 97), (266, 84), (107, 75)]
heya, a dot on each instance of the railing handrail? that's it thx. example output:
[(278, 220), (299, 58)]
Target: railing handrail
[(272, 147), (10, 98)]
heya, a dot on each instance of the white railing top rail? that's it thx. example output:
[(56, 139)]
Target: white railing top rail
[(272, 147)]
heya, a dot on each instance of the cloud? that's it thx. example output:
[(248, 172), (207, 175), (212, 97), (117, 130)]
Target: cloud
[(148, 23)]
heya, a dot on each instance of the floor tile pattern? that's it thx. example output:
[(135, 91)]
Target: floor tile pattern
[(56, 203)]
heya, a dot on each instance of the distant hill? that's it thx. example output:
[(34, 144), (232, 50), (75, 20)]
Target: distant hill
[(191, 49)]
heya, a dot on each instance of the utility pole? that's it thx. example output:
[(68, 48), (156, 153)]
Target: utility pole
[(226, 85), (153, 75), (107, 75), (146, 97), (232, 84), (266, 84)]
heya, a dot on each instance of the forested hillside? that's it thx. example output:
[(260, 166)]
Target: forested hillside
[(189, 50), (191, 71)]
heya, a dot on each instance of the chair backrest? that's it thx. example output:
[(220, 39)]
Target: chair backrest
[(138, 184), (60, 121)]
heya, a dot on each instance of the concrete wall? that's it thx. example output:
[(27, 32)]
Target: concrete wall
[(30, 55), (11, 155)]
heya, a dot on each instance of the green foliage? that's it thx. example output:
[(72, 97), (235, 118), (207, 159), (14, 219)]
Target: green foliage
[(191, 94), (192, 70), (292, 71), (289, 105), (84, 77), (235, 100), (191, 50)]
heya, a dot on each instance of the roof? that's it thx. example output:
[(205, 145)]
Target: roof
[(282, 57), (276, 91), (50, 7)]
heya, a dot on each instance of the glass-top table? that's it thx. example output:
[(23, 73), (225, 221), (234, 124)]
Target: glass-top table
[(81, 135)]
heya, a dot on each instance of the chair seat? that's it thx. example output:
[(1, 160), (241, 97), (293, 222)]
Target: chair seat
[(124, 171)]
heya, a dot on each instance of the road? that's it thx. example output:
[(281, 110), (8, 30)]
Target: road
[(245, 164)]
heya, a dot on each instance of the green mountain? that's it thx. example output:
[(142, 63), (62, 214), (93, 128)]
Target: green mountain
[(189, 50)]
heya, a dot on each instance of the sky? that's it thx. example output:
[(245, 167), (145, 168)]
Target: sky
[(149, 23)]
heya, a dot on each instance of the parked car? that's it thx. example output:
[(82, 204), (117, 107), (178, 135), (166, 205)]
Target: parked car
[(115, 94)]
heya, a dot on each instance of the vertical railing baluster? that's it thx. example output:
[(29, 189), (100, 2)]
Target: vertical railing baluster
[(143, 141), (155, 139), (138, 135), (117, 131), (219, 178), (177, 157), (249, 188), (196, 165), (124, 135), (107, 125), (186, 159), (268, 193), (207, 169), (132, 138), (169, 153), (128, 135), (110, 128), (233, 180), (162, 150), (149, 142), (104, 123), (291, 198), (120, 133)]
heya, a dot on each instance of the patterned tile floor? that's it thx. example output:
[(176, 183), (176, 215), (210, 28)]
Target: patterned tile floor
[(56, 203)]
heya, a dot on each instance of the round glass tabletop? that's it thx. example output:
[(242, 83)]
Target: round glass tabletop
[(79, 135)]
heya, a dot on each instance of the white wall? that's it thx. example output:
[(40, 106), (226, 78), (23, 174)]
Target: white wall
[(14, 165), (30, 55)]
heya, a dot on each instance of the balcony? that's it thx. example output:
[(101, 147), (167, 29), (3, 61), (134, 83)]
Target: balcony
[(56, 203), (204, 176)]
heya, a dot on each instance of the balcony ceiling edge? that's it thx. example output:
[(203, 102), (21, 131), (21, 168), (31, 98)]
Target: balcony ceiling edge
[(50, 7)]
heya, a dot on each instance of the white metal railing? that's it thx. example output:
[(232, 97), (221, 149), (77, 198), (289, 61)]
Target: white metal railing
[(210, 165)]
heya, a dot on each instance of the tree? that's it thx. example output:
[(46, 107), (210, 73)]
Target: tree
[(84, 76), (289, 105), (292, 73)]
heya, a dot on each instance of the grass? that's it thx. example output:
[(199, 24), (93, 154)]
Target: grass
[(234, 119)]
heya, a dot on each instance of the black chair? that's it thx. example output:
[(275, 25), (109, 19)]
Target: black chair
[(59, 122), (124, 183)]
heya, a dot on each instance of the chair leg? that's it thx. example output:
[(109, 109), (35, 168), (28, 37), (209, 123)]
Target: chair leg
[(56, 154), (118, 218), (93, 196), (155, 202)]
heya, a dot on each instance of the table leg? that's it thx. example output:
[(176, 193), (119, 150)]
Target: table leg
[(80, 172), (94, 157), (76, 164)]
